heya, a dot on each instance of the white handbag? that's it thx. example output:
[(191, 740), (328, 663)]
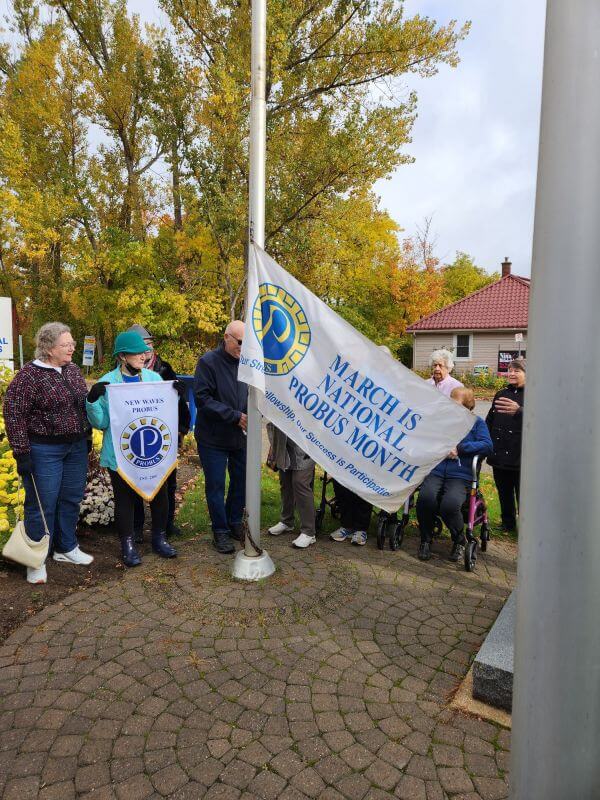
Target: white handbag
[(21, 548)]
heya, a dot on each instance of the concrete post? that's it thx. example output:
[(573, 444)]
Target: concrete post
[(556, 709)]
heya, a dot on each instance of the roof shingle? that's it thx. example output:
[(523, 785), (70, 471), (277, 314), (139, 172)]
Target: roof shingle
[(503, 304)]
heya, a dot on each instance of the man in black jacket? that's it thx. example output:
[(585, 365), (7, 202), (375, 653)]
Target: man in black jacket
[(221, 423), (167, 373), (505, 423)]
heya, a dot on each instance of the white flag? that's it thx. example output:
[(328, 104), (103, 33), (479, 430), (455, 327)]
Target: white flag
[(143, 426), (370, 422)]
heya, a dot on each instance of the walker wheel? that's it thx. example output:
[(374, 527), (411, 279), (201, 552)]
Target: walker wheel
[(470, 555), (381, 526), (485, 536), (396, 536), (319, 517), (438, 527)]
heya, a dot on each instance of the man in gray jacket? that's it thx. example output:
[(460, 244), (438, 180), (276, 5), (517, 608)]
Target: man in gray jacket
[(297, 477)]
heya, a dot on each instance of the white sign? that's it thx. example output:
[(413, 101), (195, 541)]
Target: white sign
[(518, 337), (370, 422), (6, 328), (143, 426), (89, 348)]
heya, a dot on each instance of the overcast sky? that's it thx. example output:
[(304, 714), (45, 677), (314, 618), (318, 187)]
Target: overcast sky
[(476, 137)]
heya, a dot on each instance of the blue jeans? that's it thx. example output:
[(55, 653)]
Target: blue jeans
[(224, 513), (60, 472)]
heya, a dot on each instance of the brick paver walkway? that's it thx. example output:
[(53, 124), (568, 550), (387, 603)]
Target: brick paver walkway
[(330, 680)]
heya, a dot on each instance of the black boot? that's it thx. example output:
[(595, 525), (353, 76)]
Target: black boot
[(130, 556), (458, 547), (424, 553), (173, 530), (223, 544), (160, 545), (236, 531), (138, 535)]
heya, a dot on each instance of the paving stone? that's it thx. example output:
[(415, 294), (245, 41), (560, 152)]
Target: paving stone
[(267, 785), (332, 768), (491, 788), (65, 790), (90, 777), (357, 756), (287, 764), (347, 702), (447, 756), (482, 766), (382, 774), (455, 780), (136, 788), (309, 782), (21, 789), (169, 779), (422, 767), (353, 787), (238, 773)]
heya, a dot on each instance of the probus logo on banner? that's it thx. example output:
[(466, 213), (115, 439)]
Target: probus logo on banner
[(281, 327), (146, 442)]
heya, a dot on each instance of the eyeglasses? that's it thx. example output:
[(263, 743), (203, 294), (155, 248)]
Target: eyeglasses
[(68, 346), (239, 341)]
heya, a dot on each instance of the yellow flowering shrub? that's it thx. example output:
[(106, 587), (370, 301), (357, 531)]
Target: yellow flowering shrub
[(11, 497)]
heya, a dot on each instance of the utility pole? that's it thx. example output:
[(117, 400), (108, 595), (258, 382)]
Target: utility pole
[(253, 563), (556, 709)]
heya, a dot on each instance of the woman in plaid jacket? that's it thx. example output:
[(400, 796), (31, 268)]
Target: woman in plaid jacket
[(49, 433)]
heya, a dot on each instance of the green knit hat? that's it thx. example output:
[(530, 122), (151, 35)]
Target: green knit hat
[(130, 342)]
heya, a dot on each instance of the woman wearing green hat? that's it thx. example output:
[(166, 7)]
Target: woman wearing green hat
[(131, 352)]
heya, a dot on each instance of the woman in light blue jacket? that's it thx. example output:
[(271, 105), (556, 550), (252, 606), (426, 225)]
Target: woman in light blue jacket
[(130, 351)]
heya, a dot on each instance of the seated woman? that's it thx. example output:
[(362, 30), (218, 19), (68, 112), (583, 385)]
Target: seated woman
[(444, 490), (441, 365)]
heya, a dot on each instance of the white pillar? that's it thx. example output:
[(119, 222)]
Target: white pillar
[(556, 710), (248, 564)]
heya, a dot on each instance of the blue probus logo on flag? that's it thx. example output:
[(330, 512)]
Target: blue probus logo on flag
[(281, 327), (145, 442)]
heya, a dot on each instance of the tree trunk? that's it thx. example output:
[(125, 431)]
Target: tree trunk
[(177, 209)]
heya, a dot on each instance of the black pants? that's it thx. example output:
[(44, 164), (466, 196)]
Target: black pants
[(125, 500), (138, 513), (507, 483), (356, 512), (443, 497)]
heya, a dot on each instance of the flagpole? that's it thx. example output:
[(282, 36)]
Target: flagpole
[(556, 706), (251, 563)]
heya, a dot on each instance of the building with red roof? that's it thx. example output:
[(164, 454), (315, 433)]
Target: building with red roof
[(482, 329)]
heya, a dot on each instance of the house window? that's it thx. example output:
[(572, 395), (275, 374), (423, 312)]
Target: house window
[(462, 345)]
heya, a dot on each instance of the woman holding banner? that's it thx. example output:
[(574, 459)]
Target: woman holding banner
[(130, 351)]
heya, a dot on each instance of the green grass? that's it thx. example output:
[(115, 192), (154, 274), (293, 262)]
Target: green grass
[(194, 519)]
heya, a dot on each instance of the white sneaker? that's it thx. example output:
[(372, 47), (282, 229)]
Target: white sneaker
[(37, 575), (75, 556), (280, 528), (359, 538), (341, 535), (304, 540)]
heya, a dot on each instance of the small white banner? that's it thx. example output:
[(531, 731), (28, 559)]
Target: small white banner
[(89, 348), (370, 422), (143, 425), (6, 328)]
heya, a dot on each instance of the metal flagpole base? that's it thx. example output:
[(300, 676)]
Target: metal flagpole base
[(252, 568)]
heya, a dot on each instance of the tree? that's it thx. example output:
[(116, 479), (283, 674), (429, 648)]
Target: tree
[(327, 135), (94, 107), (463, 277)]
